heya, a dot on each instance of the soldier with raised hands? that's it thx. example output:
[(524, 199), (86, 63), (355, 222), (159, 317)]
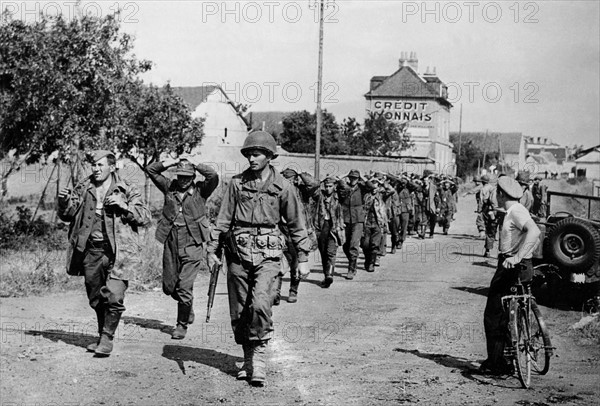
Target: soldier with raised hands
[(105, 213), (183, 229), (254, 204)]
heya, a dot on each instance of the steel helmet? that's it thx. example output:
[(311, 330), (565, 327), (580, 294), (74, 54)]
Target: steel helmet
[(260, 140)]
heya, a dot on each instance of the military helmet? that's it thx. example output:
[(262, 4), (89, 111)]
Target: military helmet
[(260, 140)]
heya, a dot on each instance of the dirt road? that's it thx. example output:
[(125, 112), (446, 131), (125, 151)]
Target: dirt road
[(409, 333)]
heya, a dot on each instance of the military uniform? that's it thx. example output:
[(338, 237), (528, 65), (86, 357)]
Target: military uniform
[(305, 191), (405, 208), (539, 191), (488, 211), (432, 203), (329, 224), (248, 225), (104, 245), (182, 229), (447, 208), (351, 198), (375, 223)]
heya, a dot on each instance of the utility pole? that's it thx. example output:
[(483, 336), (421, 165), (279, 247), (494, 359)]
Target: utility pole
[(319, 87), (460, 131)]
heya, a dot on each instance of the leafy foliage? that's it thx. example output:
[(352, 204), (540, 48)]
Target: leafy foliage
[(62, 84), (299, 133), (471, 157), (380, 137)]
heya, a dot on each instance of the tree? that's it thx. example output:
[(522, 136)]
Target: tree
[(299, 132), (62, 87), (159, 122), (381, 137)]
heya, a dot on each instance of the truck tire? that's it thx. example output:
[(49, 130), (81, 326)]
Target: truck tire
[(573, 244)]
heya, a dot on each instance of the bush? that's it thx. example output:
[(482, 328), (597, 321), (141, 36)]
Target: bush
[(21, 233)]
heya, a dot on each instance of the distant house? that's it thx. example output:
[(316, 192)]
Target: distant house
[(269, 121), (421, 100), (511, 147), (544, 146), (223, 125), (588, 165)]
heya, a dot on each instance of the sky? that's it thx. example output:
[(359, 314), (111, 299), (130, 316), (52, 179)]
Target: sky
[(513, 66)]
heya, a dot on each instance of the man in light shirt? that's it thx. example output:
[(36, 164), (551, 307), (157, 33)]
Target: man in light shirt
[(519, 236)]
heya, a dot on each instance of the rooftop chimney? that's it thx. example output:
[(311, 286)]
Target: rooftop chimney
[(413, 61), (403, 59)]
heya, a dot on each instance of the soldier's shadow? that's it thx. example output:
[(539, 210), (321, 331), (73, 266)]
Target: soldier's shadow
[(462, 365), (181, 354), (482, 290), (149, 324), (68, 337)]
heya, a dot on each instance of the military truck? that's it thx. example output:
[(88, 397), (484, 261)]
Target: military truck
[(567, 260)]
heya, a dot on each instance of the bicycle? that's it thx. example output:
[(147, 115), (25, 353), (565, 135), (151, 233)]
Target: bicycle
[(529, 344)]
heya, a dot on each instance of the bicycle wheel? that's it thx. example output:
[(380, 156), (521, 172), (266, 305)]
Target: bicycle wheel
[(522, 357), (540, 347)]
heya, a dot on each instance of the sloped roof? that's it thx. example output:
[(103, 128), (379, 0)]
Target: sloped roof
[(405, 82), (510, 142), (196, 95), (591, 157), (558, 152), (273, 121)]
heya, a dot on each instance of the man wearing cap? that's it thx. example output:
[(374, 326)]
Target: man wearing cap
[(447, 205), (352, 196), (527, 198), (419, 207), (105, 213), (479, 223), (488, 211), (519, 236), (392, 202), (539, 193), (253, 205), (306, 188), (374, 224), (405, 209), (183, 229), (432, 202), (329, 223)]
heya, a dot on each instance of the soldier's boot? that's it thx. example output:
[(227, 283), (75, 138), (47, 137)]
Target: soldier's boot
[(259, 363), (245, 371), (328, 277), (377, 260), (183, 317), (111, 322), (351, 269), (100, 319), (277, 298), (293, 295), (192, 314), (371, 262)]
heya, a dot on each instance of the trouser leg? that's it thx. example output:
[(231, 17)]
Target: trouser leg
[(250, 299), (403, 227)]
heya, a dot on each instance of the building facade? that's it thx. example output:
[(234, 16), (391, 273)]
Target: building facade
[(406, 96)]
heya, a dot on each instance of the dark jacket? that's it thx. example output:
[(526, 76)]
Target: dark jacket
[(193, 205), (79, 209), (352, 199)]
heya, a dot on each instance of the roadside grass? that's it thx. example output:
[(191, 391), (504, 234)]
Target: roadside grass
[(591, 330)]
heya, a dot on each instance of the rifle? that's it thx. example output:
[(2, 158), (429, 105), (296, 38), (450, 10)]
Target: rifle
[(212, 286)]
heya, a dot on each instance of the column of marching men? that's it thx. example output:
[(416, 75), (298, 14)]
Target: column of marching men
[(269, 222)]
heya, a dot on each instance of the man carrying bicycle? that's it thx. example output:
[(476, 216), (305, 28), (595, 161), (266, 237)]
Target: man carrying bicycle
[(519, 236)]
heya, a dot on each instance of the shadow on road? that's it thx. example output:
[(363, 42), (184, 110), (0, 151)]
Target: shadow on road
[(211, 358), (149, 324), (67, 337), (482, 290), (466, 367)]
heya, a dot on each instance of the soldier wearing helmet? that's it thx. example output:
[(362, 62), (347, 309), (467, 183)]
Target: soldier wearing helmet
[(254, 204), (477, 192), (489, 205)]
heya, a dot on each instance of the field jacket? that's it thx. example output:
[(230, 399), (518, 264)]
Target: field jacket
[(352, 202), (192, 206), (79, 209), (254, 210)]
